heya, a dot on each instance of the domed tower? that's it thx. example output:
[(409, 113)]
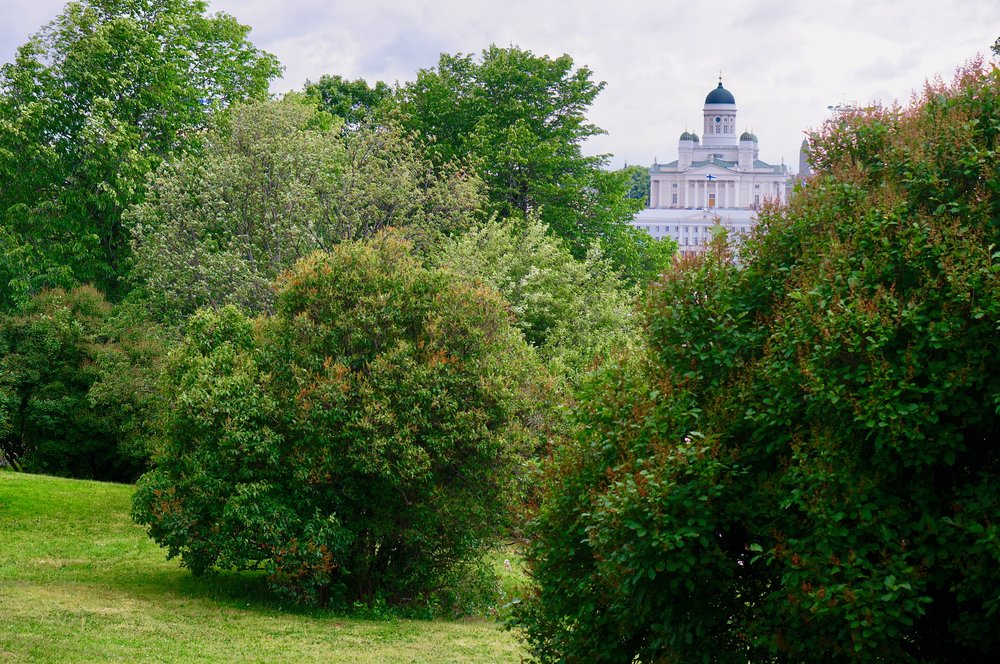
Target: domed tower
[(685, 149), (720, 118), (748, 150)]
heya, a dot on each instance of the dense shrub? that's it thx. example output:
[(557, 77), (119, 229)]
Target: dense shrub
[(48, 423), (806, 466), (128, 359), (359, 444)]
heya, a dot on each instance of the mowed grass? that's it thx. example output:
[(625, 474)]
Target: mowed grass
[(79, 582)]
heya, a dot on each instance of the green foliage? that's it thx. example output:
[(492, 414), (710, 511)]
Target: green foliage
[(359, 444), (575, 312), (92, 103), (520, 120), (78, 385), (277, 181), (353, 101), (129, 357), (805, 468), (639, 178), (81, 583), (47, 423)]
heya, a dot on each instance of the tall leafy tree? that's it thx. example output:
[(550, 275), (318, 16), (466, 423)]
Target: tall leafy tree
[(279, 180), (639, 183), (353, 101), (520, 118), (91, 104)]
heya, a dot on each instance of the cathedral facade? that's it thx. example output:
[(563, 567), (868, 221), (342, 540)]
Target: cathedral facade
[(718, 179)]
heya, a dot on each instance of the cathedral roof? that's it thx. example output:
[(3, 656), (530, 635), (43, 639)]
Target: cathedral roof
[(720, 95), (747, 136)]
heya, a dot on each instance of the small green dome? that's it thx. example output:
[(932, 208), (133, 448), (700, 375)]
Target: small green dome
[(747, 136), (686, 136), (694, 137)]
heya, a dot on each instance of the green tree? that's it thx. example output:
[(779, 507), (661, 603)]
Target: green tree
[(47, 367), (354, 101), (577, 313), (639, 179), (92, 103), (128, 357), (359, 444), (805, 468), (276, 181), (520, 119)]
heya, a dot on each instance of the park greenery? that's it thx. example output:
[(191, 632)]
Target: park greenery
[(277, 180), (82, 583), (92, 103), (363, 442), (803, 465), (347, 344)]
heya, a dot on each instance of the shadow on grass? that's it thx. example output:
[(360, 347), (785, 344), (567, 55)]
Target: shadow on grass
[(248, 590), (227, 588)]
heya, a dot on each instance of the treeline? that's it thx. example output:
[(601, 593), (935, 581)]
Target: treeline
[(144, 162), (353, 336), (332, 332)]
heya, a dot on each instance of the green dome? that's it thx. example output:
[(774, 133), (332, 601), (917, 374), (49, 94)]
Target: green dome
[(686, 136), (720, 95), (694, 137), (747, 136)]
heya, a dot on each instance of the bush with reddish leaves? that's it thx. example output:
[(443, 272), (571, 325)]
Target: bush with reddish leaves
[(806, 465), (360, 444)]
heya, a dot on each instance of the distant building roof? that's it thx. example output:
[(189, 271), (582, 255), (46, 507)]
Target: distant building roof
[(720, 95)]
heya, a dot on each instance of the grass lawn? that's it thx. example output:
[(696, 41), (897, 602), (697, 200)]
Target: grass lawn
[(79, 582)]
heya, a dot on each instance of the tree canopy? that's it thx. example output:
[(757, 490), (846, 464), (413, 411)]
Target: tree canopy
[(276, 181), (577, 313), (520, 119), (92, 103), (805, 467), (353, 101), (359, 444), (639, 183)]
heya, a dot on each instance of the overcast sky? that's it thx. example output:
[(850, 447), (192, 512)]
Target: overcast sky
[(785, 61)]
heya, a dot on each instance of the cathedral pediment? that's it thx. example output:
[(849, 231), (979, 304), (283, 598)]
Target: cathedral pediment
[(711, 168)]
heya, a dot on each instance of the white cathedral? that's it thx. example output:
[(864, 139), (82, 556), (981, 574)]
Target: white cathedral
[(715, 181)]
